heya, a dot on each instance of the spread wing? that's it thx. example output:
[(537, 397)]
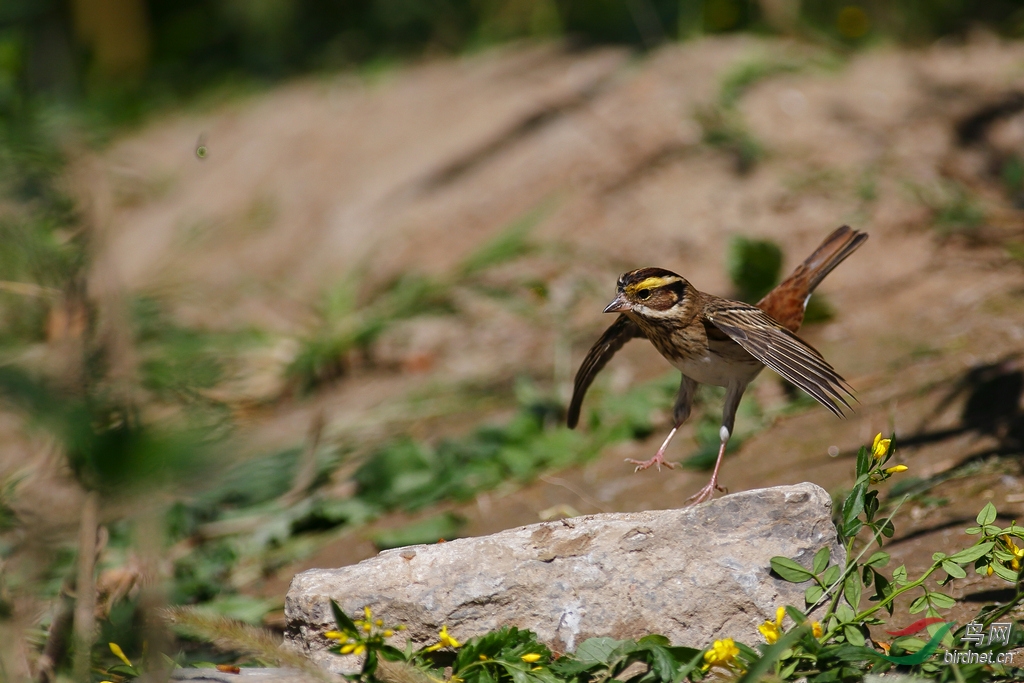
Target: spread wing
[(613, 339), (782, 351)]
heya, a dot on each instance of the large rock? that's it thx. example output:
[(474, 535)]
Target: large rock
[(694, 575)]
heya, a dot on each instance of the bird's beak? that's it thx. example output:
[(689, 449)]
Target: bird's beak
[(619, 305)]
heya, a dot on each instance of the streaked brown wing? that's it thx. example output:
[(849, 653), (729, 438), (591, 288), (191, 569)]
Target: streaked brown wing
[(781, 350), (613, 339)]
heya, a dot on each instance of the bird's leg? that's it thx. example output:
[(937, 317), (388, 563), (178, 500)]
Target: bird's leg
[(708, 492), (681, 411), (659, 457), (732, 401)]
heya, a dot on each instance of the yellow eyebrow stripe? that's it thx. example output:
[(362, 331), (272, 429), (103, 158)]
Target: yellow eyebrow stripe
[(651, 283)]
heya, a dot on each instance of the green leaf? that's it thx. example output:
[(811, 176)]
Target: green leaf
[(953, 569), (871, 505), (854, 504), (821, 559), (518, 675), (831, 575), (772, 653), (878, 559), (987, 515), (790, 570), (391, 653), (853, 528), (888, 530), (124, 670), (972, 530), (899, 575), (342, 620), (796, 615), (854, 635), (938, 556), (597, 650), (661, 661), (941, 600), (370, 663), (484, 676), (973, 553), (852, 589), (863, 461), (696, 660), (919, 604), (1004, 572), (844, 613), (813, 594)]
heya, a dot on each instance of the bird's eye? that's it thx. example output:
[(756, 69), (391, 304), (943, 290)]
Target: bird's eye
[(644, 294)]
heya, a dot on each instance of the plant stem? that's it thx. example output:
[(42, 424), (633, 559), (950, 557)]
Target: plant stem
[(895, 594), (85, 587)]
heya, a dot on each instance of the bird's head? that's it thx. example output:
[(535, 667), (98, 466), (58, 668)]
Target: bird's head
[(651, 293)]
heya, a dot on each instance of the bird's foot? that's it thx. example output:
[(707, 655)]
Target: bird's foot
[(658, 459), (706, 493)]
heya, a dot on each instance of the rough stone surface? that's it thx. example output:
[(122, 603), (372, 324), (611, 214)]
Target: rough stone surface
[(693, 575)]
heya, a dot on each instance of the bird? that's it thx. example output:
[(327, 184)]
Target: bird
[(717, 341)]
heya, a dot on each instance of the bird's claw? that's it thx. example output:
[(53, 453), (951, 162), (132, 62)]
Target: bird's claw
[(706, 493), (658, 459)]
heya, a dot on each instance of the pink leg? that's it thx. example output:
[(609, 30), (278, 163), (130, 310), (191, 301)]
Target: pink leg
[(708, 492), (659, 457)]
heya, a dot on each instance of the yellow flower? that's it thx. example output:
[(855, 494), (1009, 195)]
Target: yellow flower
[(1018, 553), (447, 639), (895, 469), (368, 613), (347, 649), (388, 633), (367, 626), (119, 653), (990, 571), (483, 658), (771, 630), (359, 649), (335, 635), (379, 623), (531, 658), (444, 640), (722, 653), (816, 629), (880, 446)]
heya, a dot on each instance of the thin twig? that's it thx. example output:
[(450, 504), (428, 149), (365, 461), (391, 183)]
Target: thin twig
[(85, 586)]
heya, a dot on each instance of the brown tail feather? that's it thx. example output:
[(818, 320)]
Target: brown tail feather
[(786, 302)]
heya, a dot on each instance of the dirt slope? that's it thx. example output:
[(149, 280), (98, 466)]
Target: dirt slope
[(410, 171)]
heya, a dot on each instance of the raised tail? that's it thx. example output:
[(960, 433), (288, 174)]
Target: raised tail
[(833, 251), (787, 301)]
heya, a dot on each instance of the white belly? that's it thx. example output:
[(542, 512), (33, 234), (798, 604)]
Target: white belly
[(710, 368)]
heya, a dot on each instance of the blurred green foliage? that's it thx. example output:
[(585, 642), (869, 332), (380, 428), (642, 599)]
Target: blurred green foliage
[(46, 47), (754, 267), (956, 209)]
